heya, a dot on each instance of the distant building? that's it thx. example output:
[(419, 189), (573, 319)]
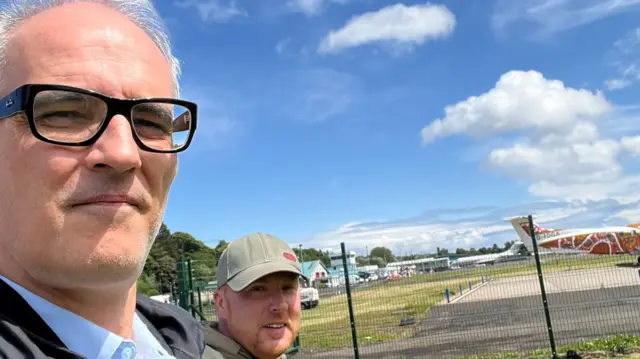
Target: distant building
[(315, 271), (336, 269), (337, 264), (369, 269)]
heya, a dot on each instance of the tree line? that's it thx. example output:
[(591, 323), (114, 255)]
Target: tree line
[(461, 252), (160, 273), (380, 256)]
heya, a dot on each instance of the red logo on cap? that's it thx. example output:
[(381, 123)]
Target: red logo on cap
[(289, 256)]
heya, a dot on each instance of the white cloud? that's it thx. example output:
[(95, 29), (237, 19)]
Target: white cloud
[(616, 84), (551, 16), (312, 7), (622, 188), (520, 100), (215, 10), (625, 54), (631, 144), (576, 163), (562, 145), (308, 7), (471, 227), (397, 24)]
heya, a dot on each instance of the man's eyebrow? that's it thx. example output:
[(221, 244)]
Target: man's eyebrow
[(57, 96), (155, 108)]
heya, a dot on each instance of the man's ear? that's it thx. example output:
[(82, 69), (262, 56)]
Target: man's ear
[(219, 299)]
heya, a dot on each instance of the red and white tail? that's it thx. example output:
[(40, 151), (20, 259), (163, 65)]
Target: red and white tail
[(521, 226)]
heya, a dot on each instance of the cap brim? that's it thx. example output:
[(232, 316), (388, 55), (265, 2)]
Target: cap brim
[(241, 280)]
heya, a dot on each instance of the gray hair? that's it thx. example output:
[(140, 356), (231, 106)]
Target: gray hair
[(140, 12)]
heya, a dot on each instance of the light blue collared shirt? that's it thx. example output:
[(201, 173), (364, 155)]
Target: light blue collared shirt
[(90, 340)]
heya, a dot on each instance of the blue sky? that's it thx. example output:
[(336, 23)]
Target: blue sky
[(324, 121)]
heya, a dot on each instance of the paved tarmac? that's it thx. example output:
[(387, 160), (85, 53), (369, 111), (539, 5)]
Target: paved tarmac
[(495, 318), (555, 282)]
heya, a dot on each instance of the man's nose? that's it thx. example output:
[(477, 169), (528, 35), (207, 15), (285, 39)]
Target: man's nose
[(279, 302), (116, 147)]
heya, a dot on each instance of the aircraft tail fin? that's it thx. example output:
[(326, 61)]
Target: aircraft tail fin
[(521, 226), (515, 248)]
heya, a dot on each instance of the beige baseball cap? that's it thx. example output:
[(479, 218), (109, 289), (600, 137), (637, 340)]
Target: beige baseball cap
[(254, 256)]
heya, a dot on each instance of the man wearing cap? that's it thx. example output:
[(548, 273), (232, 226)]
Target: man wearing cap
[(258, 299)]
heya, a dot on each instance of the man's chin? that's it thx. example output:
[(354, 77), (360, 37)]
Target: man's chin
[(113, 236), (276, 347), (100, 274)]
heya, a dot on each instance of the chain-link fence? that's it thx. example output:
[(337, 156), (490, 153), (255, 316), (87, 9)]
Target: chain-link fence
[(519, 302), (533, 303), (195, 285)]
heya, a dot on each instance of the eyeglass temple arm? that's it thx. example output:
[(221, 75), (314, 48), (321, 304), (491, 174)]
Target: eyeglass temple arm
[(13, 103)]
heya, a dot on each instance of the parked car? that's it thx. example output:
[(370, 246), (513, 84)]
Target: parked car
[(309, 297)]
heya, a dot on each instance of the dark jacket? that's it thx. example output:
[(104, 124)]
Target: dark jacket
[(24, 334)]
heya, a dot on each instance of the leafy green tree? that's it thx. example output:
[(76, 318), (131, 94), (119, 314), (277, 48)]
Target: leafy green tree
[(222, 245), (147, 284), (441, 252), (166, 272), (384, 253), (187, 243), (508, 244), (378, 262), (203, 273)]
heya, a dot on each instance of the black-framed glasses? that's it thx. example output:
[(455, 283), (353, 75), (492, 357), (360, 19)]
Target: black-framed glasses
[(71, 116)]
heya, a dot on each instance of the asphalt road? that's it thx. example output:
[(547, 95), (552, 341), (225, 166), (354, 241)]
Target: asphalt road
[(512, 323)]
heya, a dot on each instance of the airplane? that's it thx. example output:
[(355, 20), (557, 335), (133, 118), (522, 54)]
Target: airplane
[(605, 240), (513, 253)]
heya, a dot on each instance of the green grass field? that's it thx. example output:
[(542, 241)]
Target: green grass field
[(378, 311), (379, 308)]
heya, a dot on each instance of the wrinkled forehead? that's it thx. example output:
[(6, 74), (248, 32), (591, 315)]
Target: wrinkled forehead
[(92, 47)]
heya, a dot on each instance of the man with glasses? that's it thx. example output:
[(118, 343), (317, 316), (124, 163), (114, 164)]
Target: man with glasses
[(90, 128)]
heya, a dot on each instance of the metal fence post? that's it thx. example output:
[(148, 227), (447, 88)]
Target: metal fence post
[(191, 294), (200, 302), (354, 335), (183, 296), (545, 304)]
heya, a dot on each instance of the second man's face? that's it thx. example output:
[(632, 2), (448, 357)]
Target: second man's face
[(264, 317)]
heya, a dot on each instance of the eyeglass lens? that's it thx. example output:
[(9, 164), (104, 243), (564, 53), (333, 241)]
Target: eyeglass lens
[(72, 117)]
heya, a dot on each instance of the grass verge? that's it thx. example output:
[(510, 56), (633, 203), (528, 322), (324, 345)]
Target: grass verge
[(378, 311)]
